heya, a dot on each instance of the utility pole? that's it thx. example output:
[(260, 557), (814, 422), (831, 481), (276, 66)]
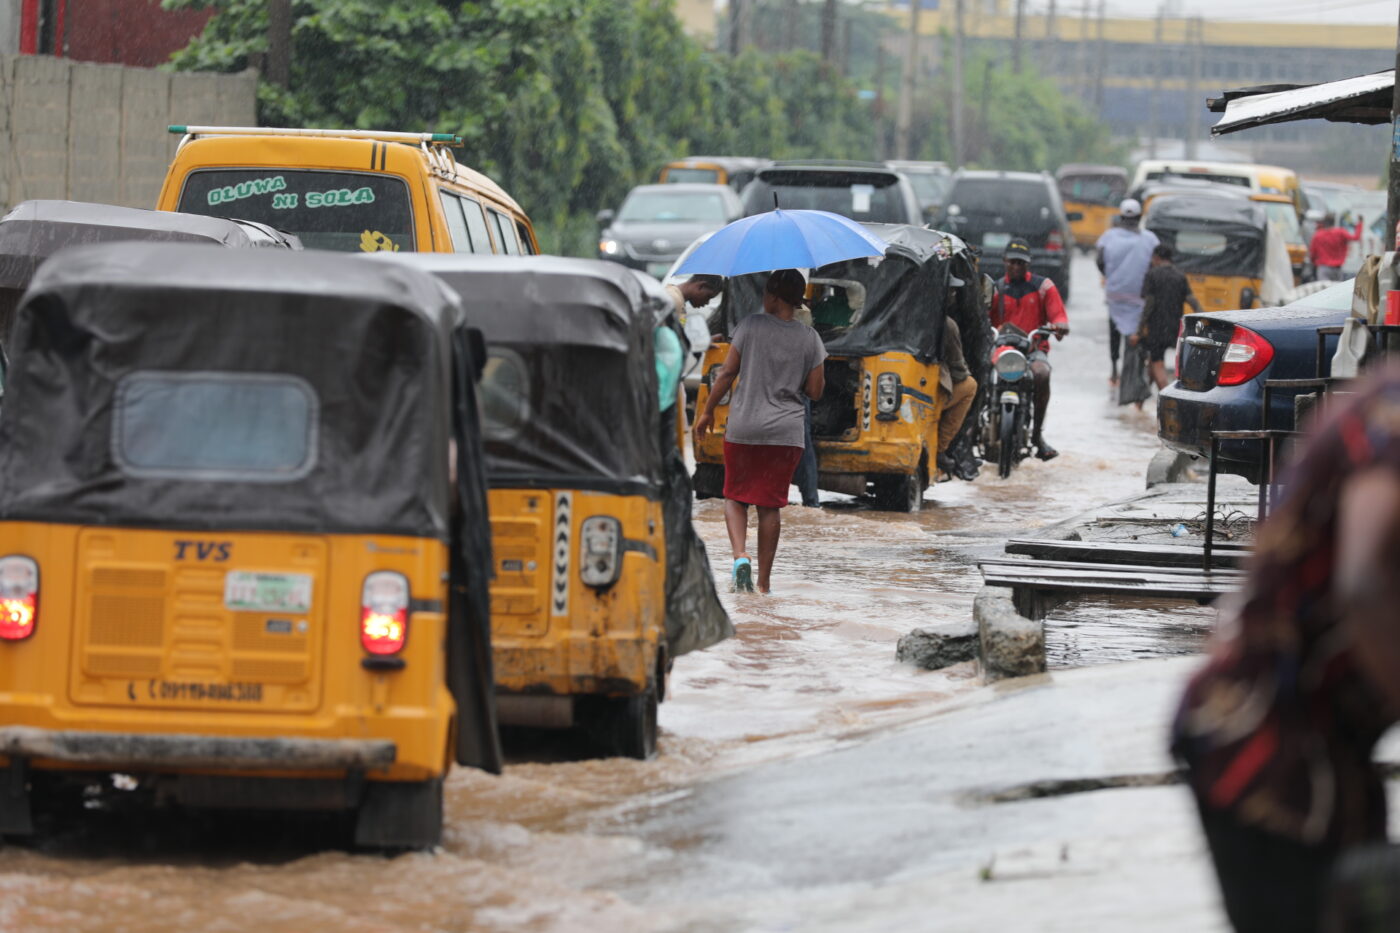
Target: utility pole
[(904, 119), (1052, 43), (829, 33), (1101, 62), (958, 93), (1020, 28), (1392, 216), (1193, 89), (881, 128), (279, 43), (790, 17), (1081, 73), (1154, 102), (846, 47)]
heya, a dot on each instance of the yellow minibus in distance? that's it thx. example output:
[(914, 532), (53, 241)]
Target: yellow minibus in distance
[(346, 190)]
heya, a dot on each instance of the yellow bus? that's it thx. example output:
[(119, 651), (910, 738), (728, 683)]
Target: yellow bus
[(346, 190)]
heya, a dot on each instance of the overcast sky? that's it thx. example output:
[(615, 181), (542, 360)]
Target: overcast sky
[(1296, 11)]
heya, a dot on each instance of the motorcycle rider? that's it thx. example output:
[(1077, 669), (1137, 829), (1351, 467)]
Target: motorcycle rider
[(1029, 301)]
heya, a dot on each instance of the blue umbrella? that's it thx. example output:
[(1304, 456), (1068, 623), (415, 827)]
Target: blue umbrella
[(781, 240)]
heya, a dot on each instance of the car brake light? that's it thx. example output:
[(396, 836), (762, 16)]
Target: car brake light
[(1054, 241), (1245, 357), (384, 612), (19, 597)]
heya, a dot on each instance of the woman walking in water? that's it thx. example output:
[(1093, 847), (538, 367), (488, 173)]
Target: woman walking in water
[(781, 359)]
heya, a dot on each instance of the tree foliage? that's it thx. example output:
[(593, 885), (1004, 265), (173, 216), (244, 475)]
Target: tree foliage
[(567, 103)]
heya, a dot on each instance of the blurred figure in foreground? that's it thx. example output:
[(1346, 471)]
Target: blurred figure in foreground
[(1304, 676)]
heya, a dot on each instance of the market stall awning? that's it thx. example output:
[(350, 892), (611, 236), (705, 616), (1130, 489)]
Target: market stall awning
[(1363, 99)]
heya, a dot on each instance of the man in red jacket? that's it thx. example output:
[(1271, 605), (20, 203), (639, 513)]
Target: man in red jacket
[(1029, 301), (1328, 250)]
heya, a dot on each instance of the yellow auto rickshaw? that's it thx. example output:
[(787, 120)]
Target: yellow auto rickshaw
[(1093, 192), (601, 581), (243, 558), (1230, 252), (876, 426)]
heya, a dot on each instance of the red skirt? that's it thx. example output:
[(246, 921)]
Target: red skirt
[(759, 474)]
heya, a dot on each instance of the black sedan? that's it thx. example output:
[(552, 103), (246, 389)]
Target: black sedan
[(1223, 361)]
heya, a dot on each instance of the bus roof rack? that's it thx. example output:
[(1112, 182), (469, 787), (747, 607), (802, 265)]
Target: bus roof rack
[(450, 139)]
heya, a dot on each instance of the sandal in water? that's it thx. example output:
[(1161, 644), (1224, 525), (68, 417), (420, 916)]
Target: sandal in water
[(743, 576)]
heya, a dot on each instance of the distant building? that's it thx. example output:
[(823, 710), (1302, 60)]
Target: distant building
[(1142, 75), (698, 18), (126, 32)]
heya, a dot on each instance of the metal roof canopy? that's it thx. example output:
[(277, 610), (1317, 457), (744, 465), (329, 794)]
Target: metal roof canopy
[(1363, 99)]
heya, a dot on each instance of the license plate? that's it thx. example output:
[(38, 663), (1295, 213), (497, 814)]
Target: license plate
[(246, 591), (995, 240), (1010, 398), (658, 269)]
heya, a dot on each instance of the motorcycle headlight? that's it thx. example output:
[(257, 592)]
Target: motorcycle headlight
[(887, 393), (600, 546), (1011, 365)]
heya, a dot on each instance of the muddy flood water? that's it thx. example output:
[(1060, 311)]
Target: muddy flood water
[(550, 845)]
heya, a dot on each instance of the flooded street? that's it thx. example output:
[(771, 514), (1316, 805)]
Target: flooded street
[(804, 780)]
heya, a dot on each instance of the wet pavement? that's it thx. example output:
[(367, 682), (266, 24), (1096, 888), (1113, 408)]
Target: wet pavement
[(806, 780)]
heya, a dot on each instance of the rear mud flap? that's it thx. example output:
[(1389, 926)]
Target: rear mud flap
[(16, 814), (400, 815)]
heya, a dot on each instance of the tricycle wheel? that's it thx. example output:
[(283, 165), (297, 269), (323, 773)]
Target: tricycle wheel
[(899, 493), (624, 727), (400, 815)]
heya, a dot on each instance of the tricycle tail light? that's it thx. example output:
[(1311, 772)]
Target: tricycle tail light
[(384, 603), (600, 547), (19, 597), (887, 393)]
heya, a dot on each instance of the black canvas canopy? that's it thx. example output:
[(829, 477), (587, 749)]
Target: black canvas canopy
[(902, 307), (581, 330), (35, 230), (1212, 235), (369, 343)]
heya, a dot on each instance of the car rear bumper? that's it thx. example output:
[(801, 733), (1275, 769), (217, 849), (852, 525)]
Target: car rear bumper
[(157, 751), (1186, 419)]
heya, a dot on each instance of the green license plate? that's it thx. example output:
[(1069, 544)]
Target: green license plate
[(246, 591), (995, 240)]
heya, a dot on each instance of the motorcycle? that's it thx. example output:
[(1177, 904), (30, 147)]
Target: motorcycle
[(1005, 421)]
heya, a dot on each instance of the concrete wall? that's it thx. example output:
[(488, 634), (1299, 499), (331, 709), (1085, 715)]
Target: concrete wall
[(86, 132)]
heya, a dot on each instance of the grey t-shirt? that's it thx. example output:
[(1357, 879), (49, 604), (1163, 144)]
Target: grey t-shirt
[(775, 357)]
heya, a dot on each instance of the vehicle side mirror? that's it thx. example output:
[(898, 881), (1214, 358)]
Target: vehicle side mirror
[(1072, 216), (604, 217)]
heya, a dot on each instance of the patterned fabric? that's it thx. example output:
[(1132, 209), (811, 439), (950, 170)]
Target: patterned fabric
[(1278, 728)]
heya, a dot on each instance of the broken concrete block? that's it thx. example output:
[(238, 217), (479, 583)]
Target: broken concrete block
[(1011, 645), (934, 648)]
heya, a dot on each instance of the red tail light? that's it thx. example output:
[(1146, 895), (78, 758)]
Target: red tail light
[(1054, 240), (19, 597), (384, 612), (1245, 357)]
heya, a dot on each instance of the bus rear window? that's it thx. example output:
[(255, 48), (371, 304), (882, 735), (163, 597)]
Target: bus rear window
[(344, 211)]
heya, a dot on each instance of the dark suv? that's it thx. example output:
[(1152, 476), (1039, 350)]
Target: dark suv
[(987, 209), (866, 191)]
